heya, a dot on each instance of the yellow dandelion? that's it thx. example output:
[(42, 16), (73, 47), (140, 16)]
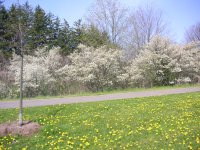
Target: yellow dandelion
[(87, 143), (197, 140), (150, 128), (190, 146)]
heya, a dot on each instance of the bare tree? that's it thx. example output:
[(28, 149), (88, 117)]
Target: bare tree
[(193, 33), (144, 23), (108, 16)]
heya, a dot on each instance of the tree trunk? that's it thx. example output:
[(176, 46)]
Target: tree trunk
[(21, 94)]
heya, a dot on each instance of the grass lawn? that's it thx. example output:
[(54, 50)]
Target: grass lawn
[(164, 122), (109, 92)]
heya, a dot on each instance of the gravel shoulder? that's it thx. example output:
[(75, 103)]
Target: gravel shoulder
[(80, 99)]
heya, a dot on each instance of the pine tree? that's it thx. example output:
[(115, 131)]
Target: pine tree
[(13, 30), (54, 31), (93, 37), (70, 38), (39, 30), (26, 22), (77, 32), (4, 38), (20, 15), (64, 38)]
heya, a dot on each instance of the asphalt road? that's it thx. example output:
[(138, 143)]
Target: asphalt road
[(80, 99)]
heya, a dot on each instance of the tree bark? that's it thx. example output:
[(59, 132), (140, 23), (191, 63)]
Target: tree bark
[(21, 94)]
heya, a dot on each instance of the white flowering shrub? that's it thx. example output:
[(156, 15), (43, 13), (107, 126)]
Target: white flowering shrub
[(190, 63), (39, 71), (160, 62), (156, 64), (95, 68)]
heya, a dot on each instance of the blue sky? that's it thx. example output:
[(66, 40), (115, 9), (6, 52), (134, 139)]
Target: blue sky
[(179, 14)]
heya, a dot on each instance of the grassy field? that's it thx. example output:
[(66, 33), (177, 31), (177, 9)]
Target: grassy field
[(164, 122), (108, 92)]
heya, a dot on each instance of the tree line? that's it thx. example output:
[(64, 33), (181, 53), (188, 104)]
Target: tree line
[(107, 22), (114, 47), (43, 29), (161, 62)]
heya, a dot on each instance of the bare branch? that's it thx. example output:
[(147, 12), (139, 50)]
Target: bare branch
[(144, 23), (193, 33), (108, 16)]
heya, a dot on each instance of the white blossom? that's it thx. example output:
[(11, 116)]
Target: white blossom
[(38, 70), (95, 68), (156, 64), (160, 62)]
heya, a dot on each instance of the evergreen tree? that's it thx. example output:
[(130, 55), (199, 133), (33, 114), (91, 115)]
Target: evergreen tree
[(4, 35), (39, 30), (70, 38), (13, 29), (54, 31), (93, 37), (77, 33), (26, 23), (64, 37), (19, 24)]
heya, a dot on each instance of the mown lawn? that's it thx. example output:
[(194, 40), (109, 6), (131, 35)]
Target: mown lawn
[(165, 122)]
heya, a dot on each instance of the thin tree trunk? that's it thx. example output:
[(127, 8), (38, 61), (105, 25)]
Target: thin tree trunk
[(21, 71), (21, 94)]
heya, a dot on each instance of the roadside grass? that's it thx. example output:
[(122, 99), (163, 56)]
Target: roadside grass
[(112, 91), (163, 122)]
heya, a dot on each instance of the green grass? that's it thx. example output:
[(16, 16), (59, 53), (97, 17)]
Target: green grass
[(108, 92), (164, 122)]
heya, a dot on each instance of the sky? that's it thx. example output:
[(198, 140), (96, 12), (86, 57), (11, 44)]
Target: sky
[(179, 14)]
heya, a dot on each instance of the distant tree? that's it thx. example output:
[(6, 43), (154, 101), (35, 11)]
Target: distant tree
[(39, 71), (97, 69), (92, 36), (39, 29), (64, 38), (157, 64), (24, 14), (5, 38), (70, 37), (77, 33), (144, 23), (190, 63), (108, 16), (55, 32), (27, 23), (5, 52), (193, 33)]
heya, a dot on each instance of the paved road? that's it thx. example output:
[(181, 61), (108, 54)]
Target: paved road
[(68, 100)]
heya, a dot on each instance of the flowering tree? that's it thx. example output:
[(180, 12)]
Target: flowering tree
[(161, 62), (190, 63), (156, 64), (95, 68), (39, 71)]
